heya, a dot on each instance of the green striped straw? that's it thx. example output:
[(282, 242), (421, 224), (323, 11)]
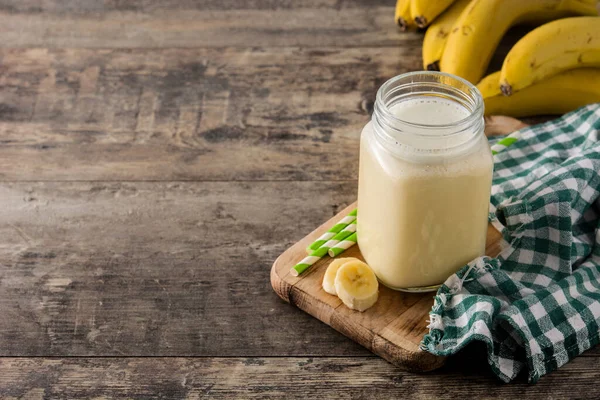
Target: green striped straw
[(343, 223), (504, 143), (342, 246), (316, 255), (309, 260), (347, 231)]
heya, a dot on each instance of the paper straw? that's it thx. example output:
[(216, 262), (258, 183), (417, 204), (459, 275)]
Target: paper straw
[(504, 143), (309, 260), (342, 246), (343, 223), (316, 255), (347, 231)]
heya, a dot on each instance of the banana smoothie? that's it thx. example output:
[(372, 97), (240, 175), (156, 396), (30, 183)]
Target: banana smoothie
[(424, 190)]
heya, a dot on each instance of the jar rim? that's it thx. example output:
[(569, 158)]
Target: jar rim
[(474, 115), (427, 139)]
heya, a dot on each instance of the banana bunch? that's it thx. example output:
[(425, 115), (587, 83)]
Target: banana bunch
[(437, 35), (550, 64), (558, 94), (550, 49), (419, 13), (549, 71)]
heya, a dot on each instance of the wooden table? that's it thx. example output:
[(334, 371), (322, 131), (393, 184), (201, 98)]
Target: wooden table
[(155, 158)]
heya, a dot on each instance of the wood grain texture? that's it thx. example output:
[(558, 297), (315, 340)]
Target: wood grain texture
[(154, 24), (393, 328), (275, 378), (201, 114), (97, 97), (157, 268)]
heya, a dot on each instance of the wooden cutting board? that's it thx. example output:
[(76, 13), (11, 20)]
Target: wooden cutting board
[(392, 328)]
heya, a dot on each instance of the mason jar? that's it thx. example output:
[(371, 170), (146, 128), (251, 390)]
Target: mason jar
[(424, 182)]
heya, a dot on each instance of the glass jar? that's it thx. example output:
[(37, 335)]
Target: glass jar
[(424, 180)]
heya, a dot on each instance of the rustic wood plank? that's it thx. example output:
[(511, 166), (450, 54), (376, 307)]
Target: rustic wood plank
[(189, 114), (154, 24), (209, 23), (90, 7), (275, 378), (157, 268), (200, 114)]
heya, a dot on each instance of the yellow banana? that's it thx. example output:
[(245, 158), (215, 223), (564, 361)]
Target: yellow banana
[(402, 16), (437, 33), (329, 277), (550, 49), (425, 11), (556, 95), (490, 85), (482, 24), (356, 285)]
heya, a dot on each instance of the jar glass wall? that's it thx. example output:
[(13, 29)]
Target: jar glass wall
[(424, 180)]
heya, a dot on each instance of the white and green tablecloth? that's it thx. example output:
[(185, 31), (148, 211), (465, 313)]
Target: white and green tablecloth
[(537, 305)]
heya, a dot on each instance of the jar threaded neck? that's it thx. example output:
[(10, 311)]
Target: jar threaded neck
[(424, 133)]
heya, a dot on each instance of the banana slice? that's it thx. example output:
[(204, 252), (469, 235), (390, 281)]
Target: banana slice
[(329, 278), (356, 285)]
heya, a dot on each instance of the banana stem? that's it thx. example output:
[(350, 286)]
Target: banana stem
[(434, 66), (402, 24)]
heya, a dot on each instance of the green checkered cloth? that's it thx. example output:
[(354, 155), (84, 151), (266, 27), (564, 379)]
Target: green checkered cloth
[(537, 305)]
